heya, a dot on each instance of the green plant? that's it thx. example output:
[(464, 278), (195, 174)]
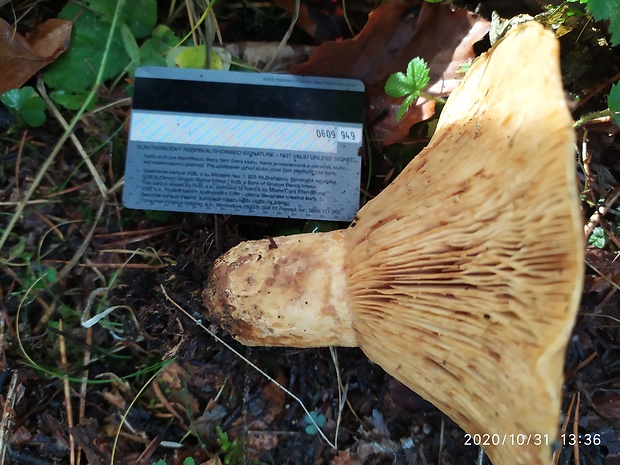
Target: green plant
[(318, 418), (232, 450), (613, 102), (73, 74), (410, 85), (26, 104), (606, 10), (613, 110), (598, 238)]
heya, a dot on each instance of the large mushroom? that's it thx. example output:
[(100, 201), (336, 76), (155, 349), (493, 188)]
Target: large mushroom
[(462, 279)]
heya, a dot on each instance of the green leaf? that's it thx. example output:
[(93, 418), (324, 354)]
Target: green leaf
[(607, 10), (189, 461), (139, 15), (418, 73), (613, 102), (33, 112), (71, 101), (13, 98), (76, 69), (397, 85), (154, 49), (318, 418), (131, 46), (410, 84), (405, 106), (598, 238), (26, 104), (194, 57)]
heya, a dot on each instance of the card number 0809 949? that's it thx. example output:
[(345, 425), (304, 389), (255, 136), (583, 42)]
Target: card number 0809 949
[(342, 135)]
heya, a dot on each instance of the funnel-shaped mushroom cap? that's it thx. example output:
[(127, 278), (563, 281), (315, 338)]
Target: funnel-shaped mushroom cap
[(463, 277)]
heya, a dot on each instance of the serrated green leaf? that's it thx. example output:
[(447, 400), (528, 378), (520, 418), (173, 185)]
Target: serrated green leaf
[(405, 106), (613, 102), (607, 10), (397, 85), (76, 69), (418, 74), (153, 50), (410, 85)]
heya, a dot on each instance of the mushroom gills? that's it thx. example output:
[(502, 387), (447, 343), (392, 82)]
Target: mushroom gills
[(462, 279)]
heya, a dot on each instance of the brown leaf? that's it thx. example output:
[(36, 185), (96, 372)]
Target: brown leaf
[(21, 58), (607, 403), (344, 457), (395, 33)]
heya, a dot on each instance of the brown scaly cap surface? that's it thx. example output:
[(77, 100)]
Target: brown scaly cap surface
[(462, 279)]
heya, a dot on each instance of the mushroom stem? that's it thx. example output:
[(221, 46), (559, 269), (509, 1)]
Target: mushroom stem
[(259, 291)]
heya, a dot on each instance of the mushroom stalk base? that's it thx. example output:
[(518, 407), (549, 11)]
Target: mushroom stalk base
[(259, 292)]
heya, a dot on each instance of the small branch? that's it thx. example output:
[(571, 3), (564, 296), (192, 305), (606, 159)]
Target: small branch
[(598, 116), (601, 211)]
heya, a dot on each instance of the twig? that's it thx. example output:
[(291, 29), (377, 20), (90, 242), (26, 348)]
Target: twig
[(602, 211), (76, 142), (576, 430), (67, 390), (598, 90), (84, 385), (168, 406), (82, 249), (20, 152), (286, 37), (563, 429), (342, 393), (7, 417)]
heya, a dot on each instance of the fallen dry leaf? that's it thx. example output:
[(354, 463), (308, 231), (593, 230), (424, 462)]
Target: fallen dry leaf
[(21, 57), (607, 403), (344, 458), (395, 33)]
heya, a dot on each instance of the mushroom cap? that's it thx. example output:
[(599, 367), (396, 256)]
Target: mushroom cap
[(462, 279), (467, 291)]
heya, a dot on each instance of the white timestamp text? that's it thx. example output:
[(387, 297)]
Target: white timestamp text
[(517, 439)]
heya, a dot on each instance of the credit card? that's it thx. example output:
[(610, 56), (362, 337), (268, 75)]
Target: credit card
[(252, 144)]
